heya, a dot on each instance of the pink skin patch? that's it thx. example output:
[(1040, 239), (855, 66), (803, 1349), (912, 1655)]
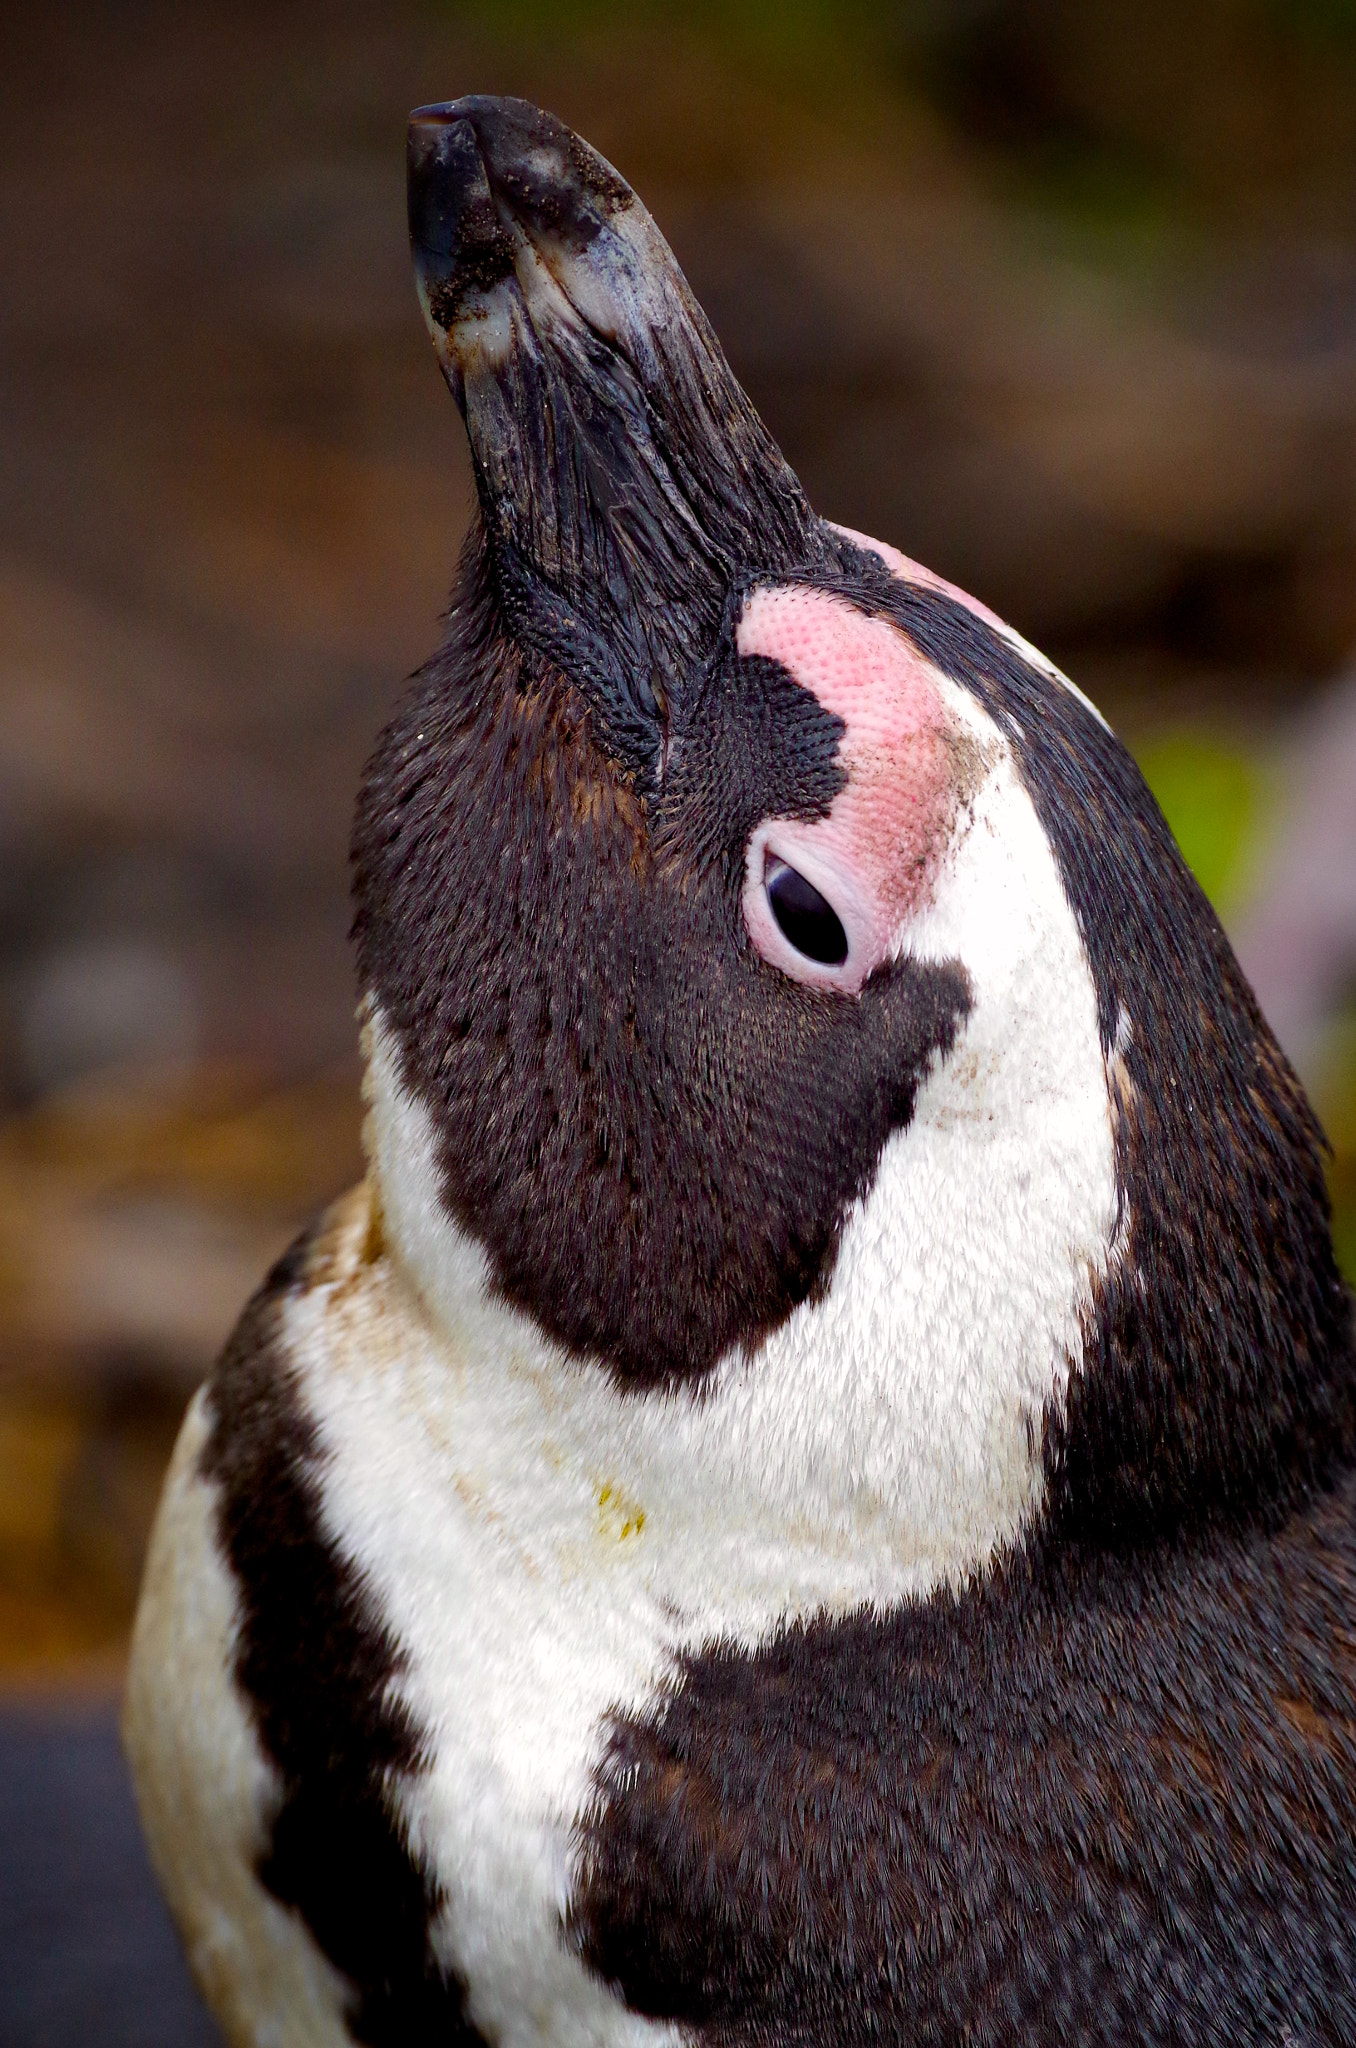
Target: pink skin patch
[(873, 857)]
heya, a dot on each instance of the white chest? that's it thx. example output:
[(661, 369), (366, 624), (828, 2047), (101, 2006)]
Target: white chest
[(507, 1571)]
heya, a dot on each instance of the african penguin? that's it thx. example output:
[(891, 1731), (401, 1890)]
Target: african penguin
[(809, 1496)]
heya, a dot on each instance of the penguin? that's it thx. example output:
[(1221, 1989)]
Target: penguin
[(808, 1497)]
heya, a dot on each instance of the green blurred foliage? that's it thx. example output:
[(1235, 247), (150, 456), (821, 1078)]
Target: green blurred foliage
[(1337, 1105), (1215, 799), (1220, 803)]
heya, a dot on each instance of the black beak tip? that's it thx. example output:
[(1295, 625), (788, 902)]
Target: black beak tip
[(457, 239), (478, 162)]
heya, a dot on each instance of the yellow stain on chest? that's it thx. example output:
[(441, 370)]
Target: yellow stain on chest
[(619, 1517)]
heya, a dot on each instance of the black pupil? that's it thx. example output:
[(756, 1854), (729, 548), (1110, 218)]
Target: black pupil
[(807, 921)]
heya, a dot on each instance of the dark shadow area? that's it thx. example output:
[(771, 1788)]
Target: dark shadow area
[(88, 1956)]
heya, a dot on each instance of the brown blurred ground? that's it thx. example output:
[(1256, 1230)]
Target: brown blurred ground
[(1061, 300)]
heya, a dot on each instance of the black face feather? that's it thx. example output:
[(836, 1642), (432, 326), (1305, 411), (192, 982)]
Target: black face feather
[(656, 1136)]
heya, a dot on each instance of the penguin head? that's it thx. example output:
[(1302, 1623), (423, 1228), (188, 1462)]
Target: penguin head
[(778, 978)]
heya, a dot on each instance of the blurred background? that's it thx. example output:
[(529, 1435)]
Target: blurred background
[(1060, 299)]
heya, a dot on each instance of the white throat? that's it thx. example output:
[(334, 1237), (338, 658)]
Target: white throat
[(888, 1437)]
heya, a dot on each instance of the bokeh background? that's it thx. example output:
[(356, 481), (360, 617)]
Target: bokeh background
[(1059, 298)]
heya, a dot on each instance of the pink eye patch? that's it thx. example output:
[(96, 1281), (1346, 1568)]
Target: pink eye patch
[(871, 861)]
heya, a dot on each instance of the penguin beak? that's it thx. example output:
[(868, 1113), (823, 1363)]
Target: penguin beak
[(626, 484)]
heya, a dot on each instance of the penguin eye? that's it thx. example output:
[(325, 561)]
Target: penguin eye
[(832, 941), (806, 920)]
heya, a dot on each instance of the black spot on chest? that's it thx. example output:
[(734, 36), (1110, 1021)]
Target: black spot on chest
[(1092, 1801), (316, 1664)]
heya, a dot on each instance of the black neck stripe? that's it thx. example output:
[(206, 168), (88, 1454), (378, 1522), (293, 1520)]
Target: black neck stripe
[(315, 1662)]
